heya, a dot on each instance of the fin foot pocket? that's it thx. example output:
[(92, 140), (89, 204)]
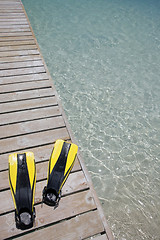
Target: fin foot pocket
[(25, 220), (51, 197)]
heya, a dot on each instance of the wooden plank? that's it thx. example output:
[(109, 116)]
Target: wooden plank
[(24, 86), (19, 47), (11, 18), (18, 53), (16, 38), (24, 78), (24, 64), (13, 43), (15, 59), (76, 182), (69, 206), (41, 169), (12, 14), (41, 154), (18, 13), (15, 34), (32, 140), (27, 104), (8, 22), (80, 227), (8, 18), (33, 63), (21, 71), (10, 11), (18, 129), (10, 1), (18, 29), (12, 26), (37, 92), (27, 115), (10, 6)]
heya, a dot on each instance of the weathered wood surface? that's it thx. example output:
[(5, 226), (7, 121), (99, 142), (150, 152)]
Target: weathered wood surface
[(75, 183), (70, 206), (76, 228), (32, 119)]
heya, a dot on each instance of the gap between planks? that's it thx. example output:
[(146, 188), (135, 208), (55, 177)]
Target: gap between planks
[(41, 168), (26, 78), (74, 228), (31, 127), (69, 207), (29, 115), (41, 153), (76, 182), (22, 64)]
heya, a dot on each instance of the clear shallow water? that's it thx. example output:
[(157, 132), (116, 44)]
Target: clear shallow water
[(104, 58)]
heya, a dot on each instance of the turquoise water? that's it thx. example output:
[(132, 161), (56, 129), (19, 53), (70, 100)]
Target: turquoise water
[(104, 58)]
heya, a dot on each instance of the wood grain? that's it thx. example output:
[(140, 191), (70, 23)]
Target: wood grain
[(69, 206)]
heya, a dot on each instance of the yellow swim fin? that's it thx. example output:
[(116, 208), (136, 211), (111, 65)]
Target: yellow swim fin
[(60, 165), (22, 179)]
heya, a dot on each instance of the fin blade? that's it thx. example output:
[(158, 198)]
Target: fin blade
[(31, 167), (55, 154), (13, 175), (71, 157), (31, 172)]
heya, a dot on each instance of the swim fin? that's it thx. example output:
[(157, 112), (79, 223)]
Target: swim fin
[(60, 165), (22, 179)]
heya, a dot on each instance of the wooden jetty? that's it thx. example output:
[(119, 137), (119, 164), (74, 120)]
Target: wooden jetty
[(31, 119)]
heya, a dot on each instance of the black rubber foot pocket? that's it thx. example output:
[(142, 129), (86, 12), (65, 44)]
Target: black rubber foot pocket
[(50, 197), (24, 220)]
